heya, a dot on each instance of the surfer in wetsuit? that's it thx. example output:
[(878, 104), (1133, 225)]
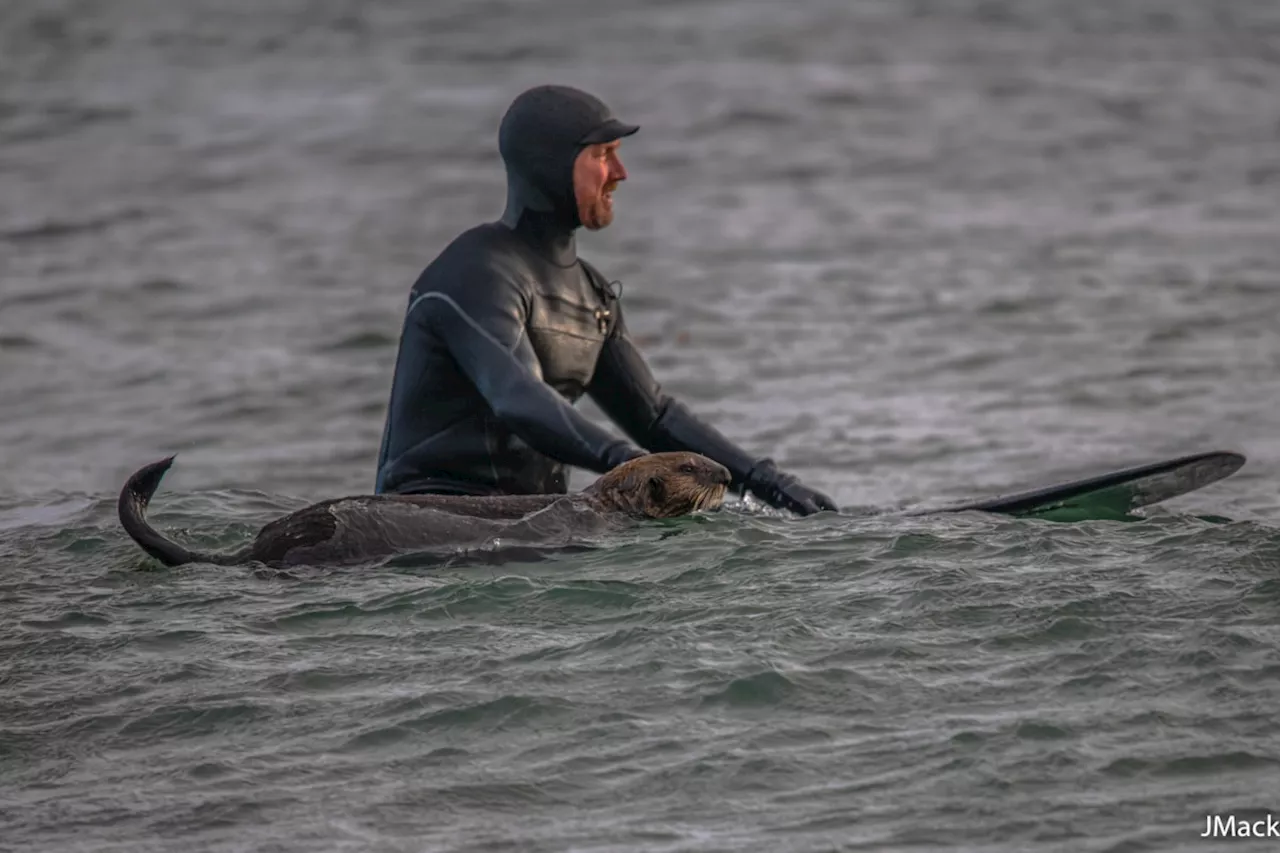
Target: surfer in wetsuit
[(508, 327)]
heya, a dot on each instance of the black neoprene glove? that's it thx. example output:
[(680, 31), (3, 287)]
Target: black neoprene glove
[(783, 491)]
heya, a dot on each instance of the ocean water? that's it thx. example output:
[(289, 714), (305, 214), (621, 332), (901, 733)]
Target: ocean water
[(916, 251)]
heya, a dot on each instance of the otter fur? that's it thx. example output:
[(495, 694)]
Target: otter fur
[(367, 528)]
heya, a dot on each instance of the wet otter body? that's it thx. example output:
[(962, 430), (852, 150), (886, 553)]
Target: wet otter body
[(366, 528)]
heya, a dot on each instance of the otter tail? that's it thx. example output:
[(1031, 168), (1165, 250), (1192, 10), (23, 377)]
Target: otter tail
[(132, 508)]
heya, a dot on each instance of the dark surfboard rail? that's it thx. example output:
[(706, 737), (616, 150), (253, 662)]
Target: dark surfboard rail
[(1122, 490)]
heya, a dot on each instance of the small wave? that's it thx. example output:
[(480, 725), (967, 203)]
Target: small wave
[(1033, 730), (614, 595), (457, 599), (839, 98), (53, 229), (208, 770), (478, 54), (51, 512), (764, 688), (189, 671), (70, 620), (511, 798), (315, 680), (33, 121), (224, 811), (632, 636), (313, 615), (794, 738), (383, 736), (17, 342), (1189, 765), (1058, 631), (157, 286), (362, 341), (82, 544), (184, 721), (737, 119), (42, 296), (168, 640), (503, 713)]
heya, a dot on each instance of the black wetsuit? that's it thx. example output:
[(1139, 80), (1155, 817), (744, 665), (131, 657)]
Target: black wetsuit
[(508, 327)]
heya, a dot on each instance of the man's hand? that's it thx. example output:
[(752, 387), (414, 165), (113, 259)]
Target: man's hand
[(783, 491)]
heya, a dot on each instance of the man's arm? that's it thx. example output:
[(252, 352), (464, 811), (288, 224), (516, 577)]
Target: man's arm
[(625, 389), (483, 326)]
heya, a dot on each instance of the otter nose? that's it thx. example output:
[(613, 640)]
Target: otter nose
[(721, 475)]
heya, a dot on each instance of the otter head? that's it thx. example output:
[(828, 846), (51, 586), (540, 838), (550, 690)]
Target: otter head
[(663, 485)]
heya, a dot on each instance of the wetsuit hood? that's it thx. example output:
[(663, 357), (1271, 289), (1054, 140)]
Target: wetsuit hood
[(540, 137)]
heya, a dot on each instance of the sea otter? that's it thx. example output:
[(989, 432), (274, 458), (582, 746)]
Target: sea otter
[(367, 528)]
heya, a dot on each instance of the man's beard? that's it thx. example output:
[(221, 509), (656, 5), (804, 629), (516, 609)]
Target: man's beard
[(600, 214)]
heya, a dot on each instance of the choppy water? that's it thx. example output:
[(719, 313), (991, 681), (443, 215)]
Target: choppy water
[(916, 251)]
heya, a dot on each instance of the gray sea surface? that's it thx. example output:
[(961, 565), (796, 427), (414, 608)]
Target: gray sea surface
[(916, 251)]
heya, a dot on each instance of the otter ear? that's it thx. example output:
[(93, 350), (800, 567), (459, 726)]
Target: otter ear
[(657, 491)]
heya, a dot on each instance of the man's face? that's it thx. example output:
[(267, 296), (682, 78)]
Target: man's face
[(596, 173)]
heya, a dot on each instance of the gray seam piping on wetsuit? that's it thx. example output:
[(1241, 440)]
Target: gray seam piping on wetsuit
[(516, 343), (488, 441), (435, 294), (484, 333)]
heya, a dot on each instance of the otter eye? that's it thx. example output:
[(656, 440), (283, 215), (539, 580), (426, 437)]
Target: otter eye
[(687, 468)]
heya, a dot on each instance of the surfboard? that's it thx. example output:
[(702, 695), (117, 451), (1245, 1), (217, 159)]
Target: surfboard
[(1113, 494)]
